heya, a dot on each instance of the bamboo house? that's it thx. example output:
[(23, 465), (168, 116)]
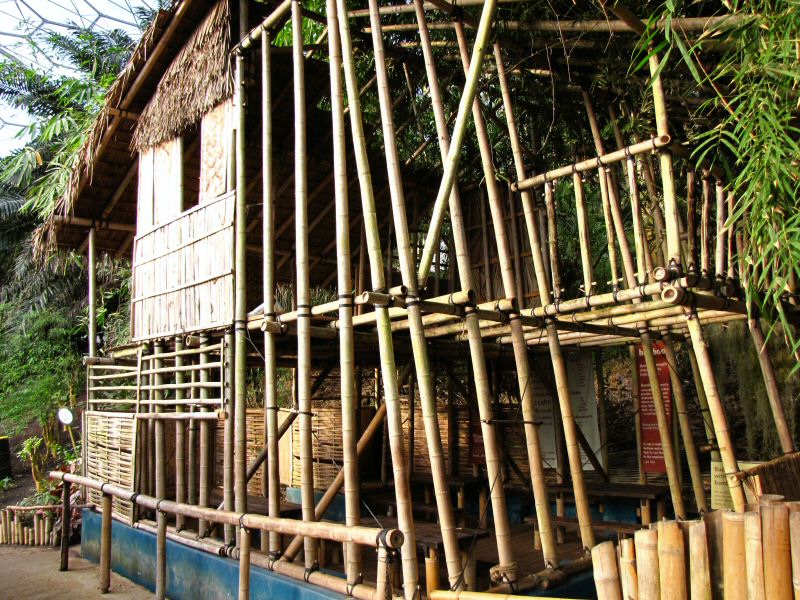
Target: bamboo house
[(371, 287)]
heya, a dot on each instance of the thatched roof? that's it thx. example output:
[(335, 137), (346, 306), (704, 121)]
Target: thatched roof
[(197, 80)]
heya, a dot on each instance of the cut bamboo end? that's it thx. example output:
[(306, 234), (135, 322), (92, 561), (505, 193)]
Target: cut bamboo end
[(606, 575), (646, 544), (672, 573), (776, 552), (733, 556)]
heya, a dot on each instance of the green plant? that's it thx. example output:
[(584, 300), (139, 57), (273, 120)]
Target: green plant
[(7, 483), (34, 452)]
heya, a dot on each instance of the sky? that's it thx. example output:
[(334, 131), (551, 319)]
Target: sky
[(21, 17)]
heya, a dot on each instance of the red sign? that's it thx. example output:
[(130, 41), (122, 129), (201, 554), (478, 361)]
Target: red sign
[(652, 452)]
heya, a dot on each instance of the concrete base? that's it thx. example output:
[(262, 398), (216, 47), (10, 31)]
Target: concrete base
[(191, 574)]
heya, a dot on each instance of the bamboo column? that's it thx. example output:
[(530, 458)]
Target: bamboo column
[(204, 470), (686, 428), (345, 289), (702, 401), (240, 290), (66, 525), (268, 242), (92, 251), (105, 545), (633, 355), (406, 258), (386, 346), (191, 454), (180, 433), (244, 562), (161, 472), (559, 369), (161, 555), (229, 433), (303, 286)]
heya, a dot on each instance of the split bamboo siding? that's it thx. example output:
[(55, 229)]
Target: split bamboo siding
[(726, 555), (183, 272)]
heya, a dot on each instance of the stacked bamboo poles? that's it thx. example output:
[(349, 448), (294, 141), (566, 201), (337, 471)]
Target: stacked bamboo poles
[(722, 555), (559, 370), (406, 258), (345, 288), (39, 533), (302, 277), (386, 346), (239, 382), (268, 241)]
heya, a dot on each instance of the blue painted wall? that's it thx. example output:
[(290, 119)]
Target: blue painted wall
[(191, 574)]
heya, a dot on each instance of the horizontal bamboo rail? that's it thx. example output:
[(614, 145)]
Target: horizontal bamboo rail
[(590, 164), (273, 19)]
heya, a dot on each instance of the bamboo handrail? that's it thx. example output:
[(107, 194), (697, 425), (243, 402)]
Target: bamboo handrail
[(591, 164)]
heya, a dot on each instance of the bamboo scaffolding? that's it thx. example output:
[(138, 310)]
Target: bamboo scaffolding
[(345, 287), (386, 347)]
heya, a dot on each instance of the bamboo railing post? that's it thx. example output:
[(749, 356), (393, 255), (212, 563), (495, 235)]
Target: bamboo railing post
[(204, 470), (685, 427), (716, 410), (270, 358), (406, 257), (105, 545), (161, 555), (345, 289), (240, 279), (180, 434), (66, 525), (229, 433), (244, 563), (386, 346), (303, 286), (92, 274)]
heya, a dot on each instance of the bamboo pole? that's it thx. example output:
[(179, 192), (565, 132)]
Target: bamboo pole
[(627, 569), (647, 568), (733, 556), (794, 536), (406, 257), (244, 563), (239, 382), (699, 571), (345, 287), (702, 401), (204, 470), (777, 553), (716, 410), (754, 558), (105, 545), (180, 431), (161, 555), (92, 292), (633, 355), (161, 479), (671, 563), (583, 235), (268, 242), (450, 164), (386, 346), (606, 574), (66, 525), (229, 432), (686, 429)]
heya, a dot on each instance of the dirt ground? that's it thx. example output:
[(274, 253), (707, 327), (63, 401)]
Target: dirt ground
[(32, 572)]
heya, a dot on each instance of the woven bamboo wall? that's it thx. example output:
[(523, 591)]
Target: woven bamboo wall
[(183, 272), (110, 440), (255, 442)]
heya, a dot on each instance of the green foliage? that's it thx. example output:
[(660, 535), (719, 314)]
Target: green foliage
[(756, 139), (7, 483)]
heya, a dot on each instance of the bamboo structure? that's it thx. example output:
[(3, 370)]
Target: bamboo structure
[(415, 296)]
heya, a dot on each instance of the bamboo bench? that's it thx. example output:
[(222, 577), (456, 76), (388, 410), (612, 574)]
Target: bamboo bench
[(646, 494), (620, 528)]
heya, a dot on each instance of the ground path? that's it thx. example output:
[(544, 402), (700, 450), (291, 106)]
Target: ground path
[(32, 572)]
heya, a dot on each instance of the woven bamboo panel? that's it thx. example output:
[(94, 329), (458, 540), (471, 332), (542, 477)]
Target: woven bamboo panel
[(255, 442), (215, 136), (110, 442), (183, 272)]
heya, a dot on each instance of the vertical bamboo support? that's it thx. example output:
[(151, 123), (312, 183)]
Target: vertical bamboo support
[(754, 558), (268, 242), (105, 545), (406, 257), (705, 223), (160, 434), (204, 470), (627, 570), (733, 556), (494, 459), (229, 433), (699, 570), (66, 525), (606, 575), (719, 241), (717, 412), (161, 555), (691, 220), (794, 536), (244, 563), (303, 288), (240, 280), (685, 426), (633, 354), (36, 535), (671, 563), (386, 347), (702, 401), (777, 552), (345, 287), (384, 586), (92, 273), (180, 434), (601, 405), (583, 234), (646, 542), (450, 164), (191, 452)]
